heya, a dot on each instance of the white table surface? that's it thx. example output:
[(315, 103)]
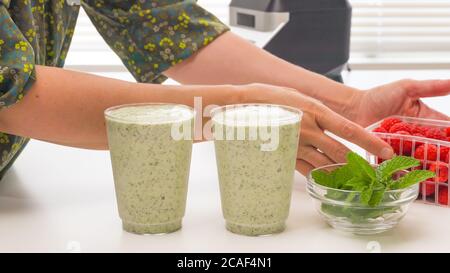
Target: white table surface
[(62, 199)]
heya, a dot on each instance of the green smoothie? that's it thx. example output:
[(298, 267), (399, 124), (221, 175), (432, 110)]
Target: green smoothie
[(256, 148), (150, 146)]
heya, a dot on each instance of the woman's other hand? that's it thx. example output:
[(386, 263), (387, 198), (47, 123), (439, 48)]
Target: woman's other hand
[(400, 98)]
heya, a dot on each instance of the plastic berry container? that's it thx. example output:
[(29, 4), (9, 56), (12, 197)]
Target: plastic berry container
[(423, 139)]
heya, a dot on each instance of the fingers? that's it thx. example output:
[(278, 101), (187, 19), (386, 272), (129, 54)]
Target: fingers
[(331, 147), (426, 112), (423, 89), (312, 135), (304, 167), (338, 125), (326, 119), (313, 156)]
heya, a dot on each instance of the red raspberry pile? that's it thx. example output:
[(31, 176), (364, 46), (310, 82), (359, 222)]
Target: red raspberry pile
[(433, 157)]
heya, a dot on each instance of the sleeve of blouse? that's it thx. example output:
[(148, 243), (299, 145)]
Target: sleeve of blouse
[(17, 71), (151, 36)]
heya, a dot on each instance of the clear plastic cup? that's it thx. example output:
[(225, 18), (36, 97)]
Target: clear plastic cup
[(256, 149), (150, 147)]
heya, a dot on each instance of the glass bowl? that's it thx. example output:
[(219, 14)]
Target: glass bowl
[(342, 209)]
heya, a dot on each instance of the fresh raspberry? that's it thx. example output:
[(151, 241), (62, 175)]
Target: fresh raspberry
[(396, 144), (435, 133), (448, 139), (420, 152), (444, 153), (443, 195), (441, 171), (447, 132), (418, 143), (401, 126), (387, 123), (431, 152), (380, 130), (417, 129), (447, 160), (426, 128), (427, 188)]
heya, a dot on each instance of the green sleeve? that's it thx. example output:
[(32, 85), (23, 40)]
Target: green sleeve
[(152, 36), (17, 62)]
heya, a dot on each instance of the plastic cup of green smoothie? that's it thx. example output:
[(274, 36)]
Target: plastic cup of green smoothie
[(150, 147), (256, 149)]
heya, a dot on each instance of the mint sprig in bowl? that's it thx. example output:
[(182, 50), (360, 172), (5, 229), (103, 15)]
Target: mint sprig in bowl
[(366, 199)]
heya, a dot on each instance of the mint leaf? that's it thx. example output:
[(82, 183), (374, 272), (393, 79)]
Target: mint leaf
[(335, 179), (323, 178), (412, 178), (342, 175), (378, 186), (366, 195), (350, 197), (359, 166), (377, 197), (396, 164), (356, 183), (336, 195)]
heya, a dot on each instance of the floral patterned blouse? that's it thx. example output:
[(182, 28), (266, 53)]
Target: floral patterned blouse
[(148, 35)]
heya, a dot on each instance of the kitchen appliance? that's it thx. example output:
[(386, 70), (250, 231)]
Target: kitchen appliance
[(314, 34)]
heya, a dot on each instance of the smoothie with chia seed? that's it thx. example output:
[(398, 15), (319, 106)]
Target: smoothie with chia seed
[(150, 147), (256, 148)]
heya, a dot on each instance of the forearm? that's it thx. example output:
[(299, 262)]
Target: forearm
[(232, 60), (66, 107)]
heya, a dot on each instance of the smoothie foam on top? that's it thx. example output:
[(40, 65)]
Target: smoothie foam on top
[(254, 122), (256, 115), (151, 114)]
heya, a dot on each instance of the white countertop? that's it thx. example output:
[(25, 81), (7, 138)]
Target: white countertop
[(62, 199)]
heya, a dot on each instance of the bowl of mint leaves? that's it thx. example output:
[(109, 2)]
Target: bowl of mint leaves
[(362, 198)]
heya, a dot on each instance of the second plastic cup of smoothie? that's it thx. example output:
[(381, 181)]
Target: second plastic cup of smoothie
[(150, 147), (256, 149)]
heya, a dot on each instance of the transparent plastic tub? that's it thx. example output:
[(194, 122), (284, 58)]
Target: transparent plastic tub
[(434, 191)]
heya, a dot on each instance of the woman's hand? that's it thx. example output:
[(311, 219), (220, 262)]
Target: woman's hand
[(399, 98), (316, 147)]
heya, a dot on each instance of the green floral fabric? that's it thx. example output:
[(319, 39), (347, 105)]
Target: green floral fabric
[(148, 36)]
